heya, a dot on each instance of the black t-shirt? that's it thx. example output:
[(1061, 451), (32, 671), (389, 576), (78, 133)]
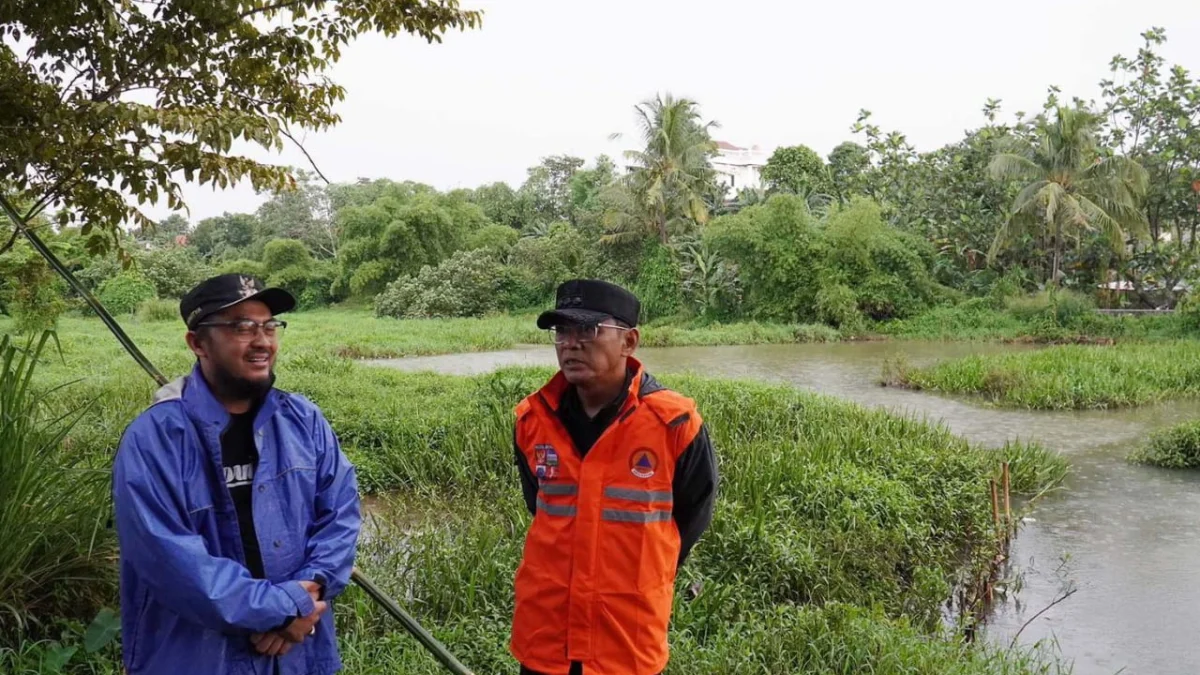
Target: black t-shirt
[(239, 457), (584, 430)]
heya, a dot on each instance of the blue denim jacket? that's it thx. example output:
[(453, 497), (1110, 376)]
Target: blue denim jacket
[(188, 603)]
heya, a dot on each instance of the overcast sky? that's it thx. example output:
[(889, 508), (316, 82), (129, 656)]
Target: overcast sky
[(545, 77)]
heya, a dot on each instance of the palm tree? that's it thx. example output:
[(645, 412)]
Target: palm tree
[(1070, 187), (665, 189)]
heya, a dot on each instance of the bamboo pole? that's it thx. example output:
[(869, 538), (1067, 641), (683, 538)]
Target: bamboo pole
[(995, 504), (1008, 520), (410, 624)]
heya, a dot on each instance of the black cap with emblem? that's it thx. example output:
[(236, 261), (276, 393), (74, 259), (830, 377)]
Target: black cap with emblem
[(227, 290), (584, 301)]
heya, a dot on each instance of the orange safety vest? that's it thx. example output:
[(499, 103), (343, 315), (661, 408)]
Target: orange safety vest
[(597, 578)]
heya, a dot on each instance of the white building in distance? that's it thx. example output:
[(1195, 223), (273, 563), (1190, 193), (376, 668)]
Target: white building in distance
[(738, 168)]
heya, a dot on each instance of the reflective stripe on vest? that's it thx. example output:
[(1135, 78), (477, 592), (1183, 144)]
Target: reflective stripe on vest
[(555, 509), (618, 516), (559, 489), (644, 496)]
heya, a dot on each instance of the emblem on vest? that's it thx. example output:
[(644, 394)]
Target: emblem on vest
[(545, 461), (643, 463)]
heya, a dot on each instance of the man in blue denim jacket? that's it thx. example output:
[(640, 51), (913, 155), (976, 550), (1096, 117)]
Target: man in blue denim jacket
[(236, 510)]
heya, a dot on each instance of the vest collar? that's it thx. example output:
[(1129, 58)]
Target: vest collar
[(552, 393)]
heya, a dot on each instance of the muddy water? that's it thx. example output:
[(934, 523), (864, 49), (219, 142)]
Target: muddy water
[(1126, 538)]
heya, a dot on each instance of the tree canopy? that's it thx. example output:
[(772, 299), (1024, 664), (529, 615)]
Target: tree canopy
[(105, 105)]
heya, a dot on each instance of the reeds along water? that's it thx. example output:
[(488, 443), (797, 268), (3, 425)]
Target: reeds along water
[(839, 531)]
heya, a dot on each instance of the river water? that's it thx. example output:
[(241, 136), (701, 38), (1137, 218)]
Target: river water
[(1123, 537)]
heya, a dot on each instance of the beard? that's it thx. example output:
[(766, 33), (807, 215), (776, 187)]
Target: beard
[(231, 387)]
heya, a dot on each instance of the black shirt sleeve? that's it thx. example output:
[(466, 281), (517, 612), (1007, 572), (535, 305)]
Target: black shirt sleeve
[(695, 490), (529, 484)]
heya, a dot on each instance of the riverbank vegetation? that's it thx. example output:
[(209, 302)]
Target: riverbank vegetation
[(839, 535), (1066, 377), (1175, 448)]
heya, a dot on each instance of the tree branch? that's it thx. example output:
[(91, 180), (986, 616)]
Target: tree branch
[(11, 241), (1064, 596), (312, 162)]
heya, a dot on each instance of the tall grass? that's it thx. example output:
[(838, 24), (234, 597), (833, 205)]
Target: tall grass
[(1175, 448), (54, 556), (1068, 377), (839, 530), (1034, 318)]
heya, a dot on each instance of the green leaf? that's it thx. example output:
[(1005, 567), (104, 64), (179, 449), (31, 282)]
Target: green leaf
[(57, 656), (104, 629)]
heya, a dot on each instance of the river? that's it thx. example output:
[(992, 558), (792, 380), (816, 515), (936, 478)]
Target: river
[(1123, 536)]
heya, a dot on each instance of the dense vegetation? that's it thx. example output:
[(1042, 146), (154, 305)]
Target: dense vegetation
[(1175, 448), (839, 535), (1078, 195)]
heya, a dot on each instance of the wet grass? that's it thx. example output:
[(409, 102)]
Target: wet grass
[(1175, 448), (1067, 377), (839, 533), (980, 320)]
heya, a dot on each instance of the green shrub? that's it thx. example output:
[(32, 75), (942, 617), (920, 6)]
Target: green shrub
[(778, 251), (469, 283), (887, 269), (158, 310), (123, 293), (280, 254), (173, 271), (659, 285), (1188, 310), (30, 291), (250, 268), (520, 290), (838, 306), (499, 239), (310, 283), (1175, 448), (1059, 308), (562, 254)]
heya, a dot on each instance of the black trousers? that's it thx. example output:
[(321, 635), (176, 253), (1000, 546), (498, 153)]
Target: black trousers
[(576, 669)]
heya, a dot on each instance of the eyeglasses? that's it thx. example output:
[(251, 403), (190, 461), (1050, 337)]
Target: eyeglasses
[(580, 333), (246, 329)]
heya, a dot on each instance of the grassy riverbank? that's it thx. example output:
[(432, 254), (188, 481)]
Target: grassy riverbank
[(840, 532), (1066, 377)]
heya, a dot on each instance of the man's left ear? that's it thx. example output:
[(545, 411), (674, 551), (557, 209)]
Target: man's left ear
[(632, 339)]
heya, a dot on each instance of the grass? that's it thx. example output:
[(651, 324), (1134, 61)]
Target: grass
[(1067, 377), (979, 320), (839, 533), (1175, 448), (55, 556)]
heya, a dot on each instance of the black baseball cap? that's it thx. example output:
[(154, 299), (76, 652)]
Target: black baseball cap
[(585, 301), (227, 290)]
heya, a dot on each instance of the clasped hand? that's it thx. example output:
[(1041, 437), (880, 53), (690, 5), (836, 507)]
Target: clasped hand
[(280, 642)]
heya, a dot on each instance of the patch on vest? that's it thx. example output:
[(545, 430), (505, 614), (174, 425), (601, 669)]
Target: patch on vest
[(643, 463), (545, 461)]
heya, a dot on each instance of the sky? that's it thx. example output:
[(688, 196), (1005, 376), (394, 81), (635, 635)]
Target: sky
[(549, 77)]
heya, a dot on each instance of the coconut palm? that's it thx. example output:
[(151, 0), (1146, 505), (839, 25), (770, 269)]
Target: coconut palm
[(1070, 188), (665, 188)]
